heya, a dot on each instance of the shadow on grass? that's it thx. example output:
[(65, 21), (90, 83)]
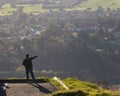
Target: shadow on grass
[(41, 89)]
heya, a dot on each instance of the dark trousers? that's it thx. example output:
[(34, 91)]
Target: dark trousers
[(29, 71)]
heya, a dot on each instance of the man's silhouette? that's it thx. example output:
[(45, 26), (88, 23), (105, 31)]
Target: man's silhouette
[(27, 62)]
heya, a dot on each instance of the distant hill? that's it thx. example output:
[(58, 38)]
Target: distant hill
[(39, 6), (73, 4), (60, 51), (93, 4)]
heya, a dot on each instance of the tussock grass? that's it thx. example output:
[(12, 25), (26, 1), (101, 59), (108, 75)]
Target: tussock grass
[(79, 88)]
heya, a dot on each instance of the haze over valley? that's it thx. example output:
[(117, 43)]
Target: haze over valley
[(72, 38)]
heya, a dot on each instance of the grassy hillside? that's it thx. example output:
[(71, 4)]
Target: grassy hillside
[(37, 8), (80, 88), (58, 49), (7, 10), (27, 8), (113, 4)]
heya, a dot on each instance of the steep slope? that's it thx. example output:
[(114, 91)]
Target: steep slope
[(84, 64)]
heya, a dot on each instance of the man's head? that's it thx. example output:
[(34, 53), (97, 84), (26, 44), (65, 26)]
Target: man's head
[(27, 55)]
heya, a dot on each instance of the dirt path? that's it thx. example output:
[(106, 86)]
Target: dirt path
[(29, 89)]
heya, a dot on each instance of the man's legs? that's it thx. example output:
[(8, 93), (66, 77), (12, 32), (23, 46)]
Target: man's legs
[(27, 74), (32, 74)]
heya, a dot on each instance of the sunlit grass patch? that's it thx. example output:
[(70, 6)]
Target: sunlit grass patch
[(7, 10), (93, 4), (77, 87), (37, 8)]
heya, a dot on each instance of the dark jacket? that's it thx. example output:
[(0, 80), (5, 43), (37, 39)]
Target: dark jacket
[(27, 62)]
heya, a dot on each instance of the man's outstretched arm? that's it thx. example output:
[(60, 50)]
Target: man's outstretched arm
[(33, 57)]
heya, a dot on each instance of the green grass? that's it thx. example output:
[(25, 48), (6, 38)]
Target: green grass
[(93, 4), (68, 93), (7, 10), (37, 8), (41, 79), (79, 88)]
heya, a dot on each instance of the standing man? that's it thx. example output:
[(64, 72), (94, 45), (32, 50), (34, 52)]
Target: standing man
[(27, 62)]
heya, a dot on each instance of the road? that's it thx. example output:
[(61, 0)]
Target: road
[(29, 89)]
